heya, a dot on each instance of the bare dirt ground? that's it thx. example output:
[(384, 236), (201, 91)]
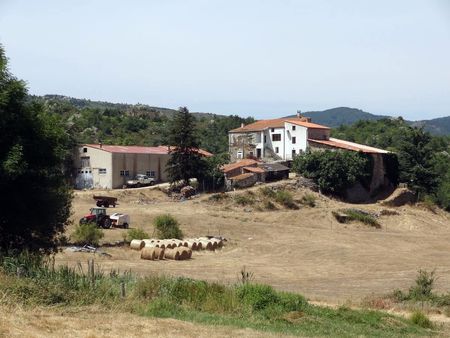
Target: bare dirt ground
[(96, 323), (305, 250)]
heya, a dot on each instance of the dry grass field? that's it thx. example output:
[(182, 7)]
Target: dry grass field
[(305, 250)]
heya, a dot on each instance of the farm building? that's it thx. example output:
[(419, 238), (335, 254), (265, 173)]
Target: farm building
[(110, 166)]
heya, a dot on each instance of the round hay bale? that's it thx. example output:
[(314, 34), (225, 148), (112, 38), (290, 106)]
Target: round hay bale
[(214, 244), (192, 245), (218, 241), (160, 245), (172, 254), (185, 253), (137, 244), (199, 246), (148, 253), (159, 253), (206, 245)]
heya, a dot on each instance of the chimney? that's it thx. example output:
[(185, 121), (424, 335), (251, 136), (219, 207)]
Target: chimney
[(242, 125), (299, 114)]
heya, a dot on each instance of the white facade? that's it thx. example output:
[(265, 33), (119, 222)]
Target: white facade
[(296, 140)]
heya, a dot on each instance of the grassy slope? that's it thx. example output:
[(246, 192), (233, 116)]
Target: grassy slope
[(252, 306)]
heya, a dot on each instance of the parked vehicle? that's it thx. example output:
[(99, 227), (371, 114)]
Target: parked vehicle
[(120, 220), (105, 201), (97, 216), (140, 180)]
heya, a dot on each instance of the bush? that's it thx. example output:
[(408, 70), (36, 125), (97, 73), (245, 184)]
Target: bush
[(333, 171), (167, 227), (361, 216), (247, 199), (258, 296), (267, 192), (218, 197), (87, 233), (268, 205), (420, 319), (136, 234), (285, 198), (424, 285), (309, 200)]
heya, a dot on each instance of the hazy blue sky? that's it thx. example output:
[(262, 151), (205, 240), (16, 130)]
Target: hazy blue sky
[(250, 57)]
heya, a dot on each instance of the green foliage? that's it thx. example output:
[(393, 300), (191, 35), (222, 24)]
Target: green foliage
[(167, 227), (333, 171), (424, 285), (212, 178), (285, 198), (87, 233), (35, 148), (420, 319), (257, 296), (267, 192), (309, 200), (185, 162), (137, 233), (363, 217), (244, 199)]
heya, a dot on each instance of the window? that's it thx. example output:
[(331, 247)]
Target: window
[(276, 137), (102, 171), (277, 150), (265, 139), (85, 162), (84, 150), (250, 154), (293, 127), (125, 173), (150, 173), (272, 130), (239, 154), (294, 140), (293, 153)]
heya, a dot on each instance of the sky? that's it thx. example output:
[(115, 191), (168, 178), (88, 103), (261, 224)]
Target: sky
[(261, 58)]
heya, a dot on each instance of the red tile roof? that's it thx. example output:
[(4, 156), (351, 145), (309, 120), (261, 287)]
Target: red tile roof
[(242, 163), (347, 145), (260, 125), (306, 124), (255, 170), (276, 123), (159, 150), (241, 176)]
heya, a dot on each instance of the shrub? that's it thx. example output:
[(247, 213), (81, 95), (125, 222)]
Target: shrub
[(420, 319), (218, 197), (285, 198), (136, 234), (309, 200), (267, 192), (268, 205), (424, 285), (333, 171), (361, 216), (167, 227), (87, 233), (258, 296), (244, 199)]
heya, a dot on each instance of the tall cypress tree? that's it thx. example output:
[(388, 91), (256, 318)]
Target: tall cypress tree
[(185, 162)]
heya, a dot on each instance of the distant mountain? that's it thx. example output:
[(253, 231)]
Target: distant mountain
[(439, 126), (336, 117)]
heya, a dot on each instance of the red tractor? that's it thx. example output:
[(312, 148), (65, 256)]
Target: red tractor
[(99, 217)]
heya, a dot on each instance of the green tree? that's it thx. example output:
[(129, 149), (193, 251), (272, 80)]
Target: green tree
[(333, 171), (185, 161), (34, 148)]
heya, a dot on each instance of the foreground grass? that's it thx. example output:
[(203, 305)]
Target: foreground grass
[(30, 281)]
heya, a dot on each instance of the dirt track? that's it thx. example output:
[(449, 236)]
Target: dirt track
[(304, 250)]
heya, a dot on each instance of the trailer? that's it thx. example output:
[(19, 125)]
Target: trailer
[(120, 220), (105, 201)]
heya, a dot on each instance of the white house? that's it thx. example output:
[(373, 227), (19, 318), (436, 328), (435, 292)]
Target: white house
[(276, 139)]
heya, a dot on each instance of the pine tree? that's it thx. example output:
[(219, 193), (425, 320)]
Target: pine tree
[(185, 162)]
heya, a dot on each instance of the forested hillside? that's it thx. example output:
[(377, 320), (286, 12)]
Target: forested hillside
[(126, 124)]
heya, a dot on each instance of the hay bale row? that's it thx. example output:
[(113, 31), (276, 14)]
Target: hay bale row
[(178, 254), (194, 244), (152, 253)]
